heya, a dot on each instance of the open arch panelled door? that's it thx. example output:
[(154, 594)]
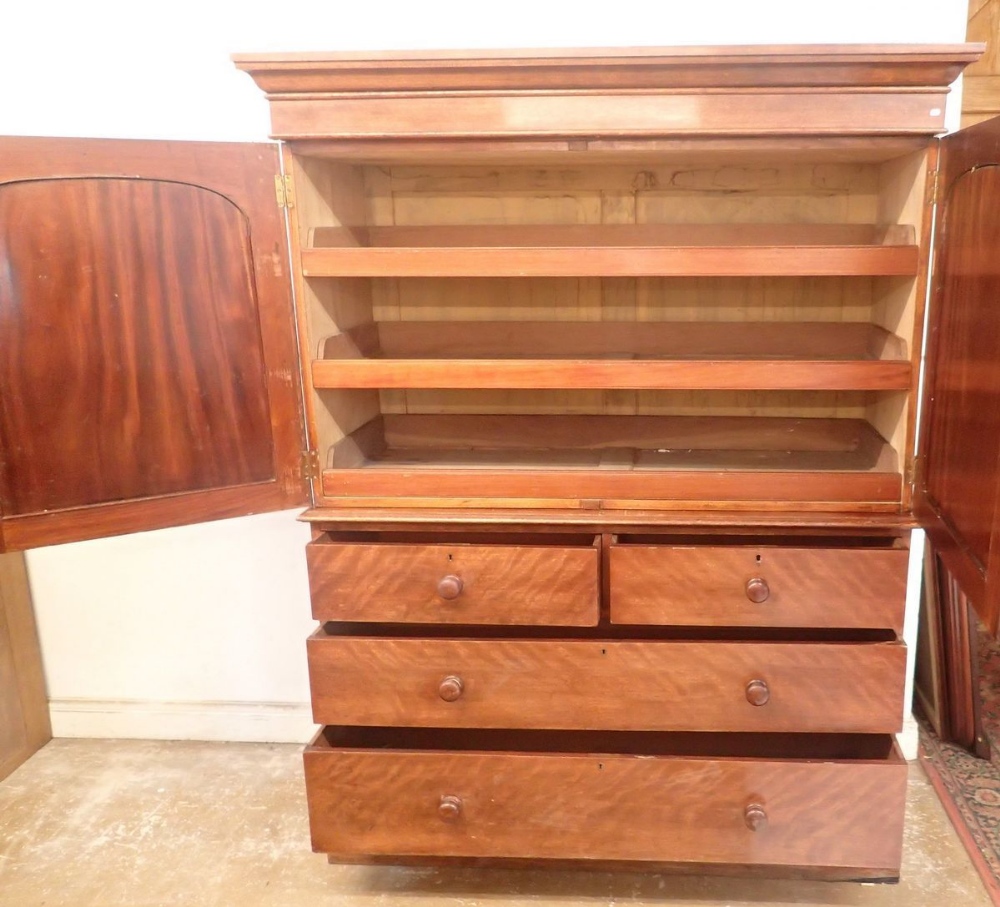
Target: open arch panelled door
[(958, 491), (149, 372)]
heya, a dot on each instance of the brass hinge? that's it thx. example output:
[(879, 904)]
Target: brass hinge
[(309, 464), (934, 187), (283, 191)]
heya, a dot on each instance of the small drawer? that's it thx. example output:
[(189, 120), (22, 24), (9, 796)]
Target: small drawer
[(834, 805), (614, 685), (760, 586), (452, 582)]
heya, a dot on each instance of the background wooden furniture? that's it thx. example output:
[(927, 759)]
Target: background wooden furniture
[(24, 708), (981, 85)]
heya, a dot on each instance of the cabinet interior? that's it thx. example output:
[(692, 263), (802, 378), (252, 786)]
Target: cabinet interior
[(641, 329)]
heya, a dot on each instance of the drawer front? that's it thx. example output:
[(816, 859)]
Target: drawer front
[(609, 807), (680, 686), (467, 584), (758, 586)]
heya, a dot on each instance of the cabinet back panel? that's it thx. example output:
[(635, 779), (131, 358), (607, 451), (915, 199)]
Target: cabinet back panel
[(679, 193), (133, 362)]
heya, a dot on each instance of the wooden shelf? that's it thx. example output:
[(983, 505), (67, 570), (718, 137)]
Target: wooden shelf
[(740, 460), (612, 250), (615, 355)]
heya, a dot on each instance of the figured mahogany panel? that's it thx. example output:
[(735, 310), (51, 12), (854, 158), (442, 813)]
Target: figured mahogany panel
[(706, 585), (118, 380), (148, 347), (597, 806), (613, 685), (553, 585), (961, 447)]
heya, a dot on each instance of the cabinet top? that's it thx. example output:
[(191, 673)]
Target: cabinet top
[(888, 65), (373, 101)]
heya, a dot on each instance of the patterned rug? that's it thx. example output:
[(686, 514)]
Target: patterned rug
[(969, 787)]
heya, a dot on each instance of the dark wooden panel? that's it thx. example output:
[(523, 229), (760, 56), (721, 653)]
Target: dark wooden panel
[(118, 380), (961, 448), (607, 807), (147, 330), (678, 686), (454, 583), (704, 585)]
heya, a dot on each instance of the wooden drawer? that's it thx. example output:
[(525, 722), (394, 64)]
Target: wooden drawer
[(661, 685), (838, 807), (451, 582), (456, 582), (739, 586)]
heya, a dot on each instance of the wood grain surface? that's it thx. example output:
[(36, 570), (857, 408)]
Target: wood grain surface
[(681, 686), (772, 261), (24, 706), (579, 373), (497, 584), (616, 488), (751, 66), (144, 390), (960, 482), (696, 585), (669, 339), (148, 347), (533, 354), (607, 807), (583, 114)]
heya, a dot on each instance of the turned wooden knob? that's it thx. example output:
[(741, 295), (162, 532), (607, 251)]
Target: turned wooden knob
[(757, 589), (450, 808), (758, 693), (450, 586), (451, 688), (755, 817)]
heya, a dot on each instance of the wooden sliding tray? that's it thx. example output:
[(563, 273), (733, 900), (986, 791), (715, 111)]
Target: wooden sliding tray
[(612, 250), (596, 355), (669, 459)]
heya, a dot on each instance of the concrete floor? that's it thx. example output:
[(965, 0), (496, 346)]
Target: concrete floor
[(102, 823)]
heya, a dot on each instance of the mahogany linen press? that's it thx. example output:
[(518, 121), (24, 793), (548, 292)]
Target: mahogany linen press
[(598, 373)]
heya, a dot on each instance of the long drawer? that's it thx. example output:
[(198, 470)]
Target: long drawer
[(649, 685), (529, 584), (737, 586), (374, 792)]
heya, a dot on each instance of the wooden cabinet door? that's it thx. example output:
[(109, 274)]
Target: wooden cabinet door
[(148, 368), (958, 479)]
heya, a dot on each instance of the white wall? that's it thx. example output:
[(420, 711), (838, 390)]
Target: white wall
[(198, 632)]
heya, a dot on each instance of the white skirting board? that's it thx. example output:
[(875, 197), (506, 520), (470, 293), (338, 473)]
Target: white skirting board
[(247, 722), (909, 738)]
